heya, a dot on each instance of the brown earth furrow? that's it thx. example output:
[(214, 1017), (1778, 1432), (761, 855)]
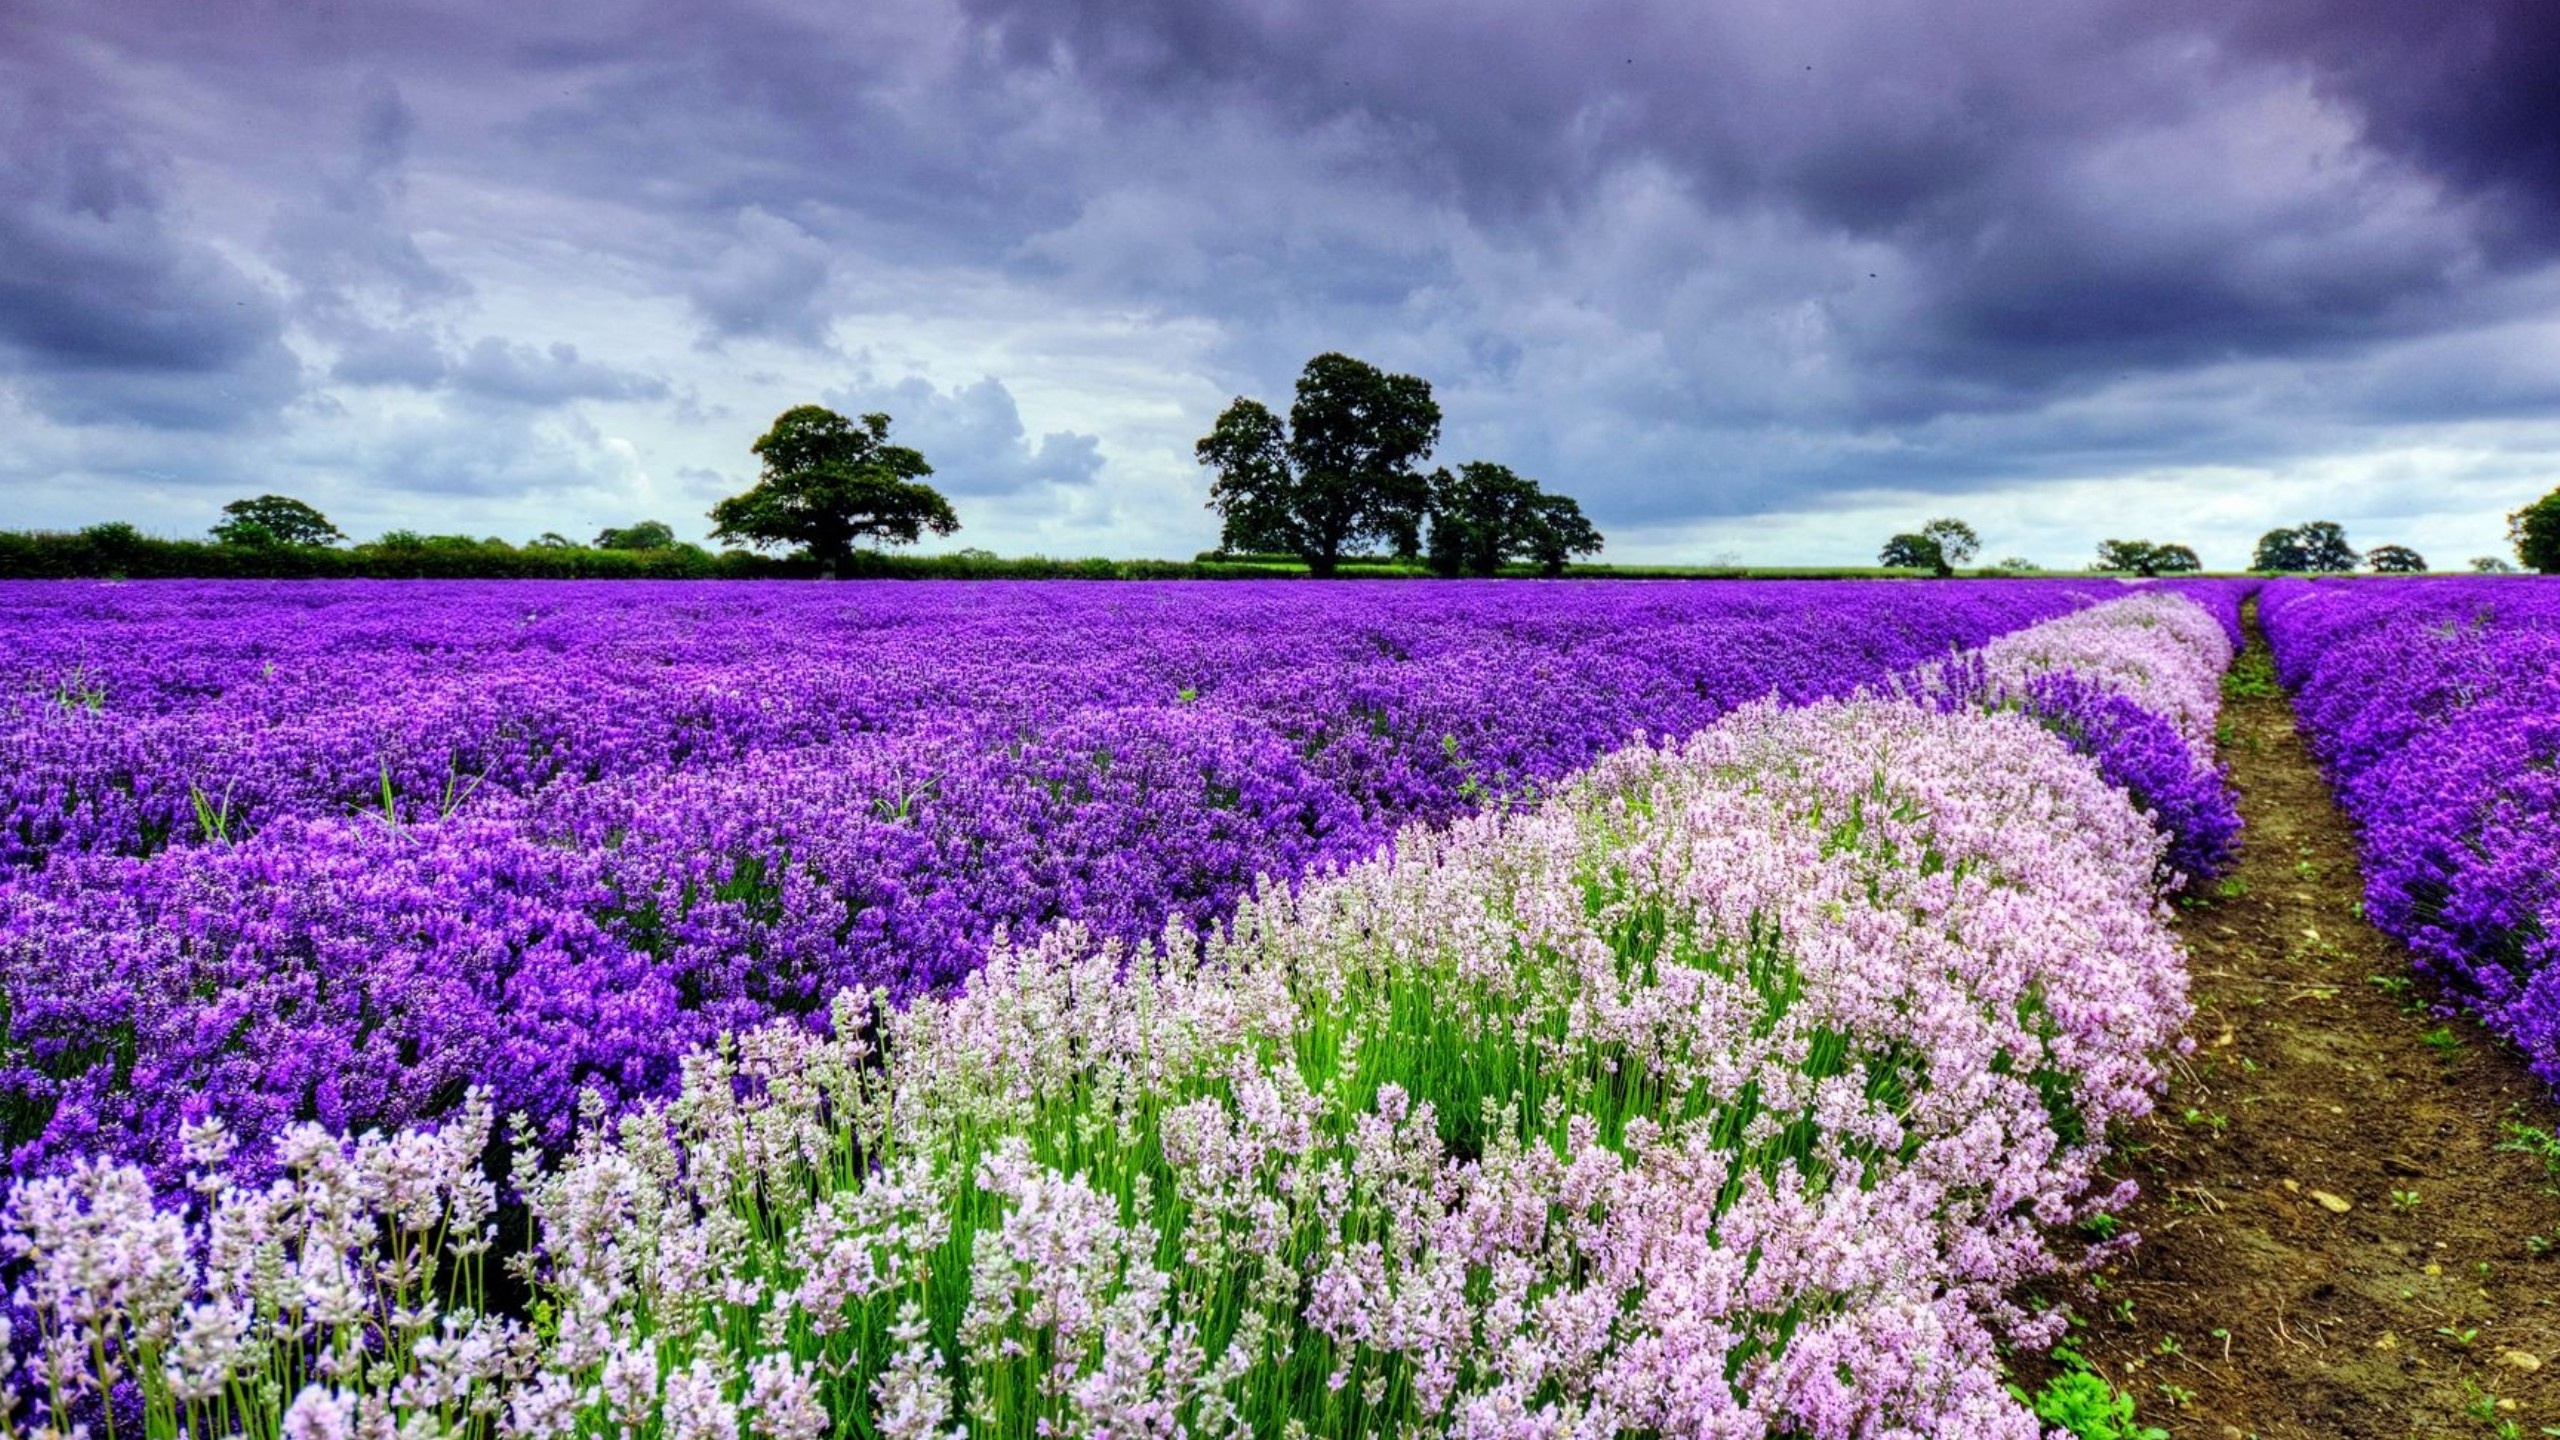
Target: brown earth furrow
[(2254, 1306)]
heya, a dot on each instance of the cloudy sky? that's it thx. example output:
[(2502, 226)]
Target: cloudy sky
[(1753, 279)]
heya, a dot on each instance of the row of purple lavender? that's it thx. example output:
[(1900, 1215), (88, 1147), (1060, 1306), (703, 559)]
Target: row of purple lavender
[(336, 852), (2435, 706), (548, 838)]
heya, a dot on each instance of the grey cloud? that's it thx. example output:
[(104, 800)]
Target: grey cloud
[(348, 242), (769, 281), (410, 357), (1681, 260), (519, 374), (2469, 90), (973, 437), (109, 312)]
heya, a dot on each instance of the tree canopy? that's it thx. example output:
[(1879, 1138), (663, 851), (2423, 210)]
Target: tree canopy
[(1956, 541), (829, 482), (2141, 557), (1485, 517), (2395, 560), (2535, 532), (1938, 547), (1912, 551), (1339, 474), (643, 535), (2316, 547), (274, 520)]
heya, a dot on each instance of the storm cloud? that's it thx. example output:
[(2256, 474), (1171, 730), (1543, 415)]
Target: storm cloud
[(1745, 277)]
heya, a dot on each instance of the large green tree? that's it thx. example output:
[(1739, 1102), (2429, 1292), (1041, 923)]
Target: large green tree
[(2395, 560), (829, 482), (2535, 531), (274, 520), (1340, 473)]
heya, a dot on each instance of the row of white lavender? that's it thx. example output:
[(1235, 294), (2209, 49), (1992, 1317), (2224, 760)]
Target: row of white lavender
[(1736, 1091)]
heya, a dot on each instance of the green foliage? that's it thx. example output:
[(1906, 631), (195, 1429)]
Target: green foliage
[(2317, 547), (2395, 560), (2535, 532), (2141, 557), (1938, 547), (1909, 551), (645, 535), (2081, 1403), (1339, 474), (2252, 676), (1484, 517), (401, 554), (274, 520), (1956, 540), (828, 483), (2492, 565)]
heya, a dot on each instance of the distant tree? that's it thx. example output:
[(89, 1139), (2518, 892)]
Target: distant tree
[(1485, 517), (1956, 541), (2317, 547), (2016, 565), (2535, 532), (274, 520), (400, 540), (1339, 474), (1479, 518), (551, 540), (1915, 552), (2395, 560), (2492, 565), (2141, 557), (646, 535), (1558, 531), (829, 482), (2279, 551), (2324, 547)]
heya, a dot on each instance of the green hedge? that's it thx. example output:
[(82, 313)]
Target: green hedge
[(118, 551)]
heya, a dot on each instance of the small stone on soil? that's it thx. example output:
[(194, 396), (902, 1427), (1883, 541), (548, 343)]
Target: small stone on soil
[(2334, 1204), (2521, 1359)]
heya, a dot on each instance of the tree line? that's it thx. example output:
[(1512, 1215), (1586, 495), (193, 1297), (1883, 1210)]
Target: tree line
[(2315, 547), (1339, 478)]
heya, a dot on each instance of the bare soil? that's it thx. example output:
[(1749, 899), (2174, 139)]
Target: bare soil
[(2335, 1245)]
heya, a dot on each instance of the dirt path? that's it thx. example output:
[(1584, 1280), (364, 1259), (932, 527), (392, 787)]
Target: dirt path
[(2335, 1245)]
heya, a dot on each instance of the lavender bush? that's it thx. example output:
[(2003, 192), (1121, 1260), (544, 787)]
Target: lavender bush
[(2133, 684), (2435, 706), (334, 853)]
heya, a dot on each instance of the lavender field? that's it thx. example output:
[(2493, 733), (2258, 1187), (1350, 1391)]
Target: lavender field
[(1499, 1009), (2435, 705)]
